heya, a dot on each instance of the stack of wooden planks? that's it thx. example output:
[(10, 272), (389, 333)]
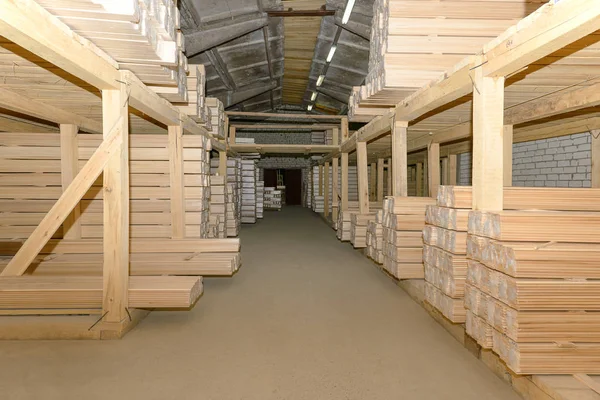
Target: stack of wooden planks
[(143, 36), (414, 42), (234, 193), (375, 238), (195, 105), (260, 197), (344, 224), (444, 258), (248, 169), (358, 228), (272, 199), (218, 208), (217, 113), (403, 222), (532, 281)]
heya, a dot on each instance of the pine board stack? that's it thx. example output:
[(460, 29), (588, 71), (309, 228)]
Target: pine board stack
[(364, 113), (143, 36), (358, 229), (217, 117), (532, 289), (234, 195), (414, 42), (260, 198), (272, 199), (375, 238), (195, 106), (403, 223), (344, 222), (444, 258), (218, 208), (248, 215)]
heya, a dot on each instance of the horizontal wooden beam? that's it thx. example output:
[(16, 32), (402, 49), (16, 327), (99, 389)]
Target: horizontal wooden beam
[(276, 126), (283, 149), (286, 116), (550, 28), (299, 13), (24, 105), (376, 128), (457, 132)]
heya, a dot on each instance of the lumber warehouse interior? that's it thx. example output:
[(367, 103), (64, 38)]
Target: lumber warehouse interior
[(300, 199)]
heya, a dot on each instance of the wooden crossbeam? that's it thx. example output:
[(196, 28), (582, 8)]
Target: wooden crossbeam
[(278, 126), (283, 149), (262, 115), (65, 204)]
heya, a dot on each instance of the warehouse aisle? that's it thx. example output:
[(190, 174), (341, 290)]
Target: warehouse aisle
[(307, 317)]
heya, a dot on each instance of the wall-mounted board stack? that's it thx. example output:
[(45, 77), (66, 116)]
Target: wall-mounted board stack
[(415, 42), (403, 223)]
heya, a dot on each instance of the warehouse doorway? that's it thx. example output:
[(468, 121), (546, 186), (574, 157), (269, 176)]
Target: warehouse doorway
[(292, 181)]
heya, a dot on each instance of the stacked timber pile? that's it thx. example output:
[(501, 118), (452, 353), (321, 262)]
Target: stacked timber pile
[(364, 113), (248, 169), (358, 228), (195, 106), (444, 257), (414, 42), (344, 221), (403, 223), (234, 193), (532, 280), (260, 198), (375, 238), (218, 208), (272, 199), (217, 117), (143, 36)]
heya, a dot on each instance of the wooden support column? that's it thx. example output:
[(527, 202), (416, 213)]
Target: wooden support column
[(232, 135), (419, 179), (363, 177), (507, 150), (595, 158), (399, 159), (452, 170), (176, 181), (69, 166), (488, 154), (433, 169), (320, 180), (344, 190), (326, 184), (115, 104), (336, 136), (389, 177), (380, 170), (373, 182), (335, 188), (223, 164), (445, 172), (344, 128)]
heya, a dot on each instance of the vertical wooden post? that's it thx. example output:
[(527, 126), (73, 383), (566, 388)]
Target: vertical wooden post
[(399, 159), (595, 158), (488, 153), (232, 135), (326, 180), (452, 170), (223, 164), (344, 182), (372, 181), (425, 177), (419, 179), (344, 128), (390, 189), (321, 180), (445, 177), (69, 166), (507, 140), (176, 181), (335, 189), (380, 179), (116, 210), (433, 168), (363, 177), (336, 136)]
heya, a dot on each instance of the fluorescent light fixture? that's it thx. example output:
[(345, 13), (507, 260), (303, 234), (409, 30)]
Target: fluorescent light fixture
[(331, 53), (320, 80), (309, 107), (313, 97), (348, 11)]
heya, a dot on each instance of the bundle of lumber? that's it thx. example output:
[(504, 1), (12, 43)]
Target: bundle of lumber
[(532, 289), (84, 257), (248, 170), (260, 197), (217, 117), (344, 224), (143, 36), (414, 42), (403, 222), (234, 195), (375, 238), (218, 208), (195, 105), (362, 113), (358, 228), (444, 258), (272, 199)]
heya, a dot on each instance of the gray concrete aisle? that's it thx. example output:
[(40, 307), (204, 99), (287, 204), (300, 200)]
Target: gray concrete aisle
[(307, 317)]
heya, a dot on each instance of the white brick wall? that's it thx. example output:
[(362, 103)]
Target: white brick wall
[(277, 137), (556, 162)]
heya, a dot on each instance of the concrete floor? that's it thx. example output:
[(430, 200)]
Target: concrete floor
[(307, 317)]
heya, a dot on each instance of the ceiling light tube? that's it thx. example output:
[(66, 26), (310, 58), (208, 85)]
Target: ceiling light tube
[(320, 80), (313, 97), (331, 53), (347, 11), (309, 107)]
